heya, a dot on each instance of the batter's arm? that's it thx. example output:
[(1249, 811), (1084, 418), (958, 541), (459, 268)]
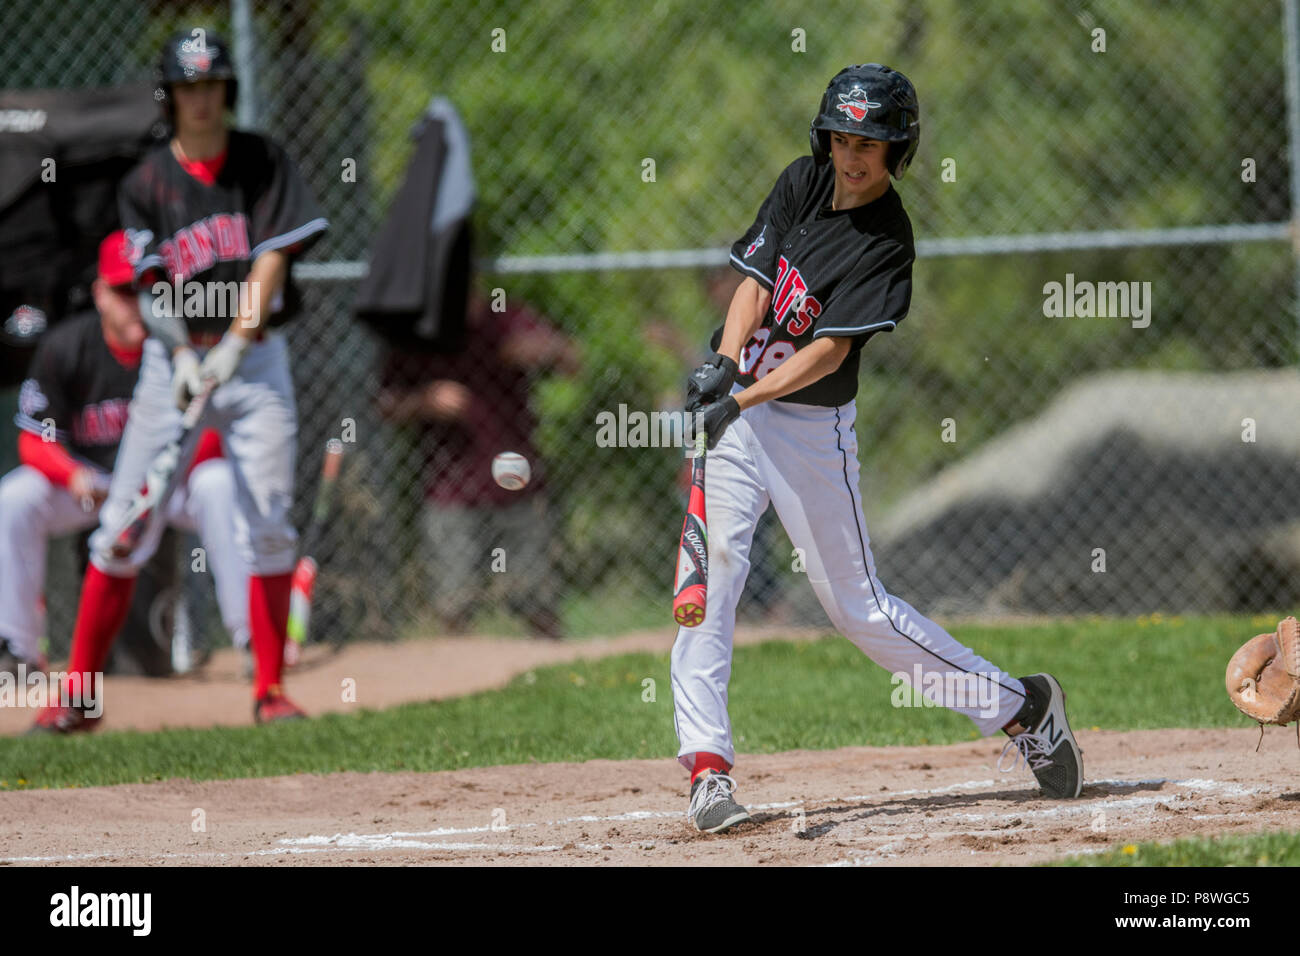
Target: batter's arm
[(806, 366), (745, 314)]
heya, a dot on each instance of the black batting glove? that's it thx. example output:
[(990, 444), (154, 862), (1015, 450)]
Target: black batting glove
[(714, 418), (710, 381)]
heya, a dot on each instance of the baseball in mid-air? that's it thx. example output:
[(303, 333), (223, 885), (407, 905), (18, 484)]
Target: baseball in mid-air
[(511, 470)]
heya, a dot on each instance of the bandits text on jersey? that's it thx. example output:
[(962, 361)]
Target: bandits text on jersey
[(792, 292), (221, 237), (100, 424)]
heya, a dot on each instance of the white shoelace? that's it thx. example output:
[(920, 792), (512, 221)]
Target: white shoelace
[(716, 786), (1030, 748)]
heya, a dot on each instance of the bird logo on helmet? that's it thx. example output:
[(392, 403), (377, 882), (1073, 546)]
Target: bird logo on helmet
[(869, 100)]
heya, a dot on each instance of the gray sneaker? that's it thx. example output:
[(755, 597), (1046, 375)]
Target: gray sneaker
[(1046, 743), (712, 808)]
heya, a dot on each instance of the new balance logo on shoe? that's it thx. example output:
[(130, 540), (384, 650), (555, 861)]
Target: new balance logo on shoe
[(1048, 729)]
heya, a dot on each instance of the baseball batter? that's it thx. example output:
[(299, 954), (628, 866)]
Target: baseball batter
[(214, 209), (827, 265), (72, 410)]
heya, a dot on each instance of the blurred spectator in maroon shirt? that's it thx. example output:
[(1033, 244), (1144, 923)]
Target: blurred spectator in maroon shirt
[(472, 405)]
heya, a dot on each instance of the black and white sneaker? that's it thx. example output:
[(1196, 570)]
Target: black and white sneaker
[(712, 808), (1044, 740)]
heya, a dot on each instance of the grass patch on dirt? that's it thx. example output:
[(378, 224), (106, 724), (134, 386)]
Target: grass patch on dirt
[(1119, 674)]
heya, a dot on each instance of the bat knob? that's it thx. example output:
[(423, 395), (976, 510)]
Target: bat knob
[(689, 615)]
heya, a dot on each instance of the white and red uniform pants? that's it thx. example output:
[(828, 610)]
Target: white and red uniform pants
[(804, 460), (33, 509), (256, 417)]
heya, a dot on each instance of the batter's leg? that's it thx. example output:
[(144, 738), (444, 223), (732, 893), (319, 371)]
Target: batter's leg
[(32, 510), (701, 657), (152, 421), (810, 467), (206, 504), (106, 591), (261, 438)]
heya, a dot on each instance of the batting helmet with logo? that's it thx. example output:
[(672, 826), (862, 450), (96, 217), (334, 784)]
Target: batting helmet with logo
[(873, 101), (191, 56)]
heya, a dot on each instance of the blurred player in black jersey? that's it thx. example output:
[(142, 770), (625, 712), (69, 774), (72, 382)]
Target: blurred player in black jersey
[(223, 212), (72, 411)]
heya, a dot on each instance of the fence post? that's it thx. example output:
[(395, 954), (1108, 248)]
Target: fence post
[(1291, 64), (241, 16)]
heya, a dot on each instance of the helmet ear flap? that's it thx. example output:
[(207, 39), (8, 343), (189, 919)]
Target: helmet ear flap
[(900, 156), (819, 143)]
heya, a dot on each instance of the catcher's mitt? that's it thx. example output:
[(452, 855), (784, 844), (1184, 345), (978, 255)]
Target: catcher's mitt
[(1264, 676)]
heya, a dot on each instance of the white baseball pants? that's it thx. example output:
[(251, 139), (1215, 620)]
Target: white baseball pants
[(33, 510), (804, 460), (258, 422)]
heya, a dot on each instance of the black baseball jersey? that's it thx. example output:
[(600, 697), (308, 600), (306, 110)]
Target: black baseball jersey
[(77, 388), (846, 273), (178, 225)]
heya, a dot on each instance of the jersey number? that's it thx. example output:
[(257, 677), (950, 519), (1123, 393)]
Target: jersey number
[(758, 359)]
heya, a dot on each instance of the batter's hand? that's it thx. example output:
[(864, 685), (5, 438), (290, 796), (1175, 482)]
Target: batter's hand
[(186, 380), (709, 382), (220, 363), (713, 419)]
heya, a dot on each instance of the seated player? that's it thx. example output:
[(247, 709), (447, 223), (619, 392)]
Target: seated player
[(71, 413)]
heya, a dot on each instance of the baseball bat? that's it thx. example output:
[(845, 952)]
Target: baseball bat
[(692, 585), (159, 480), (303, 585)]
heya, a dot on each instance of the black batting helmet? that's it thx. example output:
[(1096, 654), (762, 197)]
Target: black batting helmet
[(190, 56), (873, 101)]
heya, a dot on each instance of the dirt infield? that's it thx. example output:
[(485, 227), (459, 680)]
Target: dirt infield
[(940, 805), (856, 806)]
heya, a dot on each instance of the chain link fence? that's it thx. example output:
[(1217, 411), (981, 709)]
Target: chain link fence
[(1023, 450)]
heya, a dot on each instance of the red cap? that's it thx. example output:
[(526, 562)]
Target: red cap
[(114, 260)]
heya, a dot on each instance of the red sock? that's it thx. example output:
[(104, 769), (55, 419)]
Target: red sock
[(268, 624), (707, 761), (105, 601)]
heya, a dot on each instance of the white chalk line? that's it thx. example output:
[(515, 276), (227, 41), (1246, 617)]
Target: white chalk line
[(1131, 810), (420, 839)]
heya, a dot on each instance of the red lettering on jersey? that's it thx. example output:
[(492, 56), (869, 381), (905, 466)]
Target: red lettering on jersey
[(168, 252), (115, 417), (101, 424), (223, 227), (201, 236), (805, 311), (791, 291), (784, 275), (201, 245), (185, 252), (243, 249), (88, 428)]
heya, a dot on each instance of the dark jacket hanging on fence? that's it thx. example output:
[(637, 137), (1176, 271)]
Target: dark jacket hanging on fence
[(414, 294)]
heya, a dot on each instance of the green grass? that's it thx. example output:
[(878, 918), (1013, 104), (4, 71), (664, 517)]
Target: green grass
[(1256, 849), (1119, 675)]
